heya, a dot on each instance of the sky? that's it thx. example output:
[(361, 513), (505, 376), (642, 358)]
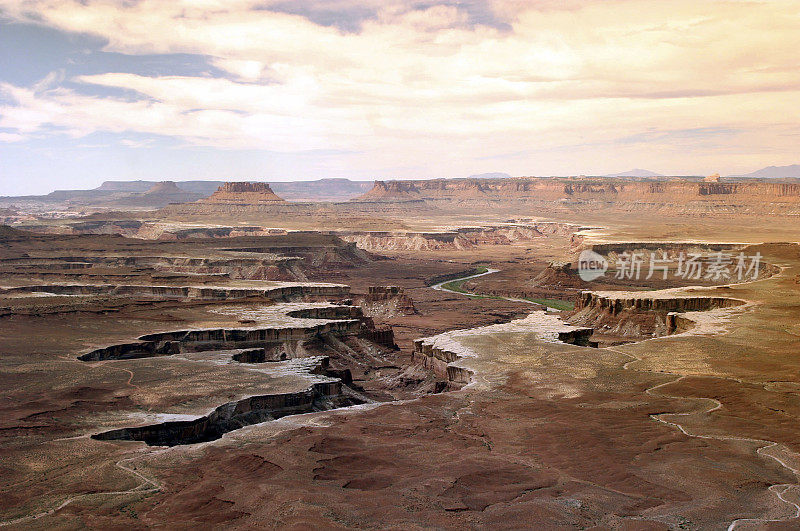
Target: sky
[(95, 90)]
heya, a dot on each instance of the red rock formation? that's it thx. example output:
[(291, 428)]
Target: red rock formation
[(244, 193), (391, 191), (558, 274), (599, 189), (640, 315)]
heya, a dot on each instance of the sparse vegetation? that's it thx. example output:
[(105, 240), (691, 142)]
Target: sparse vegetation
[(557, 304), (458, 285)]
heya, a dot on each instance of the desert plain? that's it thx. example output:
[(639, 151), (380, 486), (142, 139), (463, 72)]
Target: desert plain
[(432, 359)]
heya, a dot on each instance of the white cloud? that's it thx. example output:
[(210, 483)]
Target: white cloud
[(11, 137), (430, 87)]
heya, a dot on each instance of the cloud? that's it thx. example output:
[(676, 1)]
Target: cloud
[(432, 82), (127, 142), (11, 137)]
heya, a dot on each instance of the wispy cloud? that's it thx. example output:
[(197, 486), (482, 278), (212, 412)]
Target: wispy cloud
[(11, 137), (435, 84)]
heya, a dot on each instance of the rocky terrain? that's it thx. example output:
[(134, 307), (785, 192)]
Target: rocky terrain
[(620, 317), (417, 215), (176, 372), (739, 197), (458, 239), (83, 263)]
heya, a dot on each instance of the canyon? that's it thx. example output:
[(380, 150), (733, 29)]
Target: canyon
[(425, 265), (425, 355)]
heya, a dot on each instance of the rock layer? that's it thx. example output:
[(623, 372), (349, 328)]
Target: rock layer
[(666, 195), (299, 325), (243, 193), (281, 292), (231, 416), (587, 189), (635, 315)]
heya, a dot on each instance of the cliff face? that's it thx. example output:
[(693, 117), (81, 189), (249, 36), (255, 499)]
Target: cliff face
[(617, 302), (641, 315), (602, 189), (243, 193), (558, 274), (391, 191), (463, 238)]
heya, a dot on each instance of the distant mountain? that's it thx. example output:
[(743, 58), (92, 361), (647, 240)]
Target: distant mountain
[(495, 175), (159, 195), (637, 172), (197, 187), (774, 172), (126, 186), (156, 193), (319, 190), (165, 188)]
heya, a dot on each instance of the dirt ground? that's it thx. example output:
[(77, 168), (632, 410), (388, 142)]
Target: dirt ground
[(692, 430)]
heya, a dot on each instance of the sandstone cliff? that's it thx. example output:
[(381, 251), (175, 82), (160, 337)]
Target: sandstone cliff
[(243, 193), (618, 316), (754, 195)]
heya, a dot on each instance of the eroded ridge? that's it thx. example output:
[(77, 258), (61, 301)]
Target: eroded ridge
[(286, 344), (328, 394), (460, 238), (281, 291), (66, 258), (621, 317), (289, 324)]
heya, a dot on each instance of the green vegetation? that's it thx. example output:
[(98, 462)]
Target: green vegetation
[(438, 279), (458, 285), (556, 304)]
